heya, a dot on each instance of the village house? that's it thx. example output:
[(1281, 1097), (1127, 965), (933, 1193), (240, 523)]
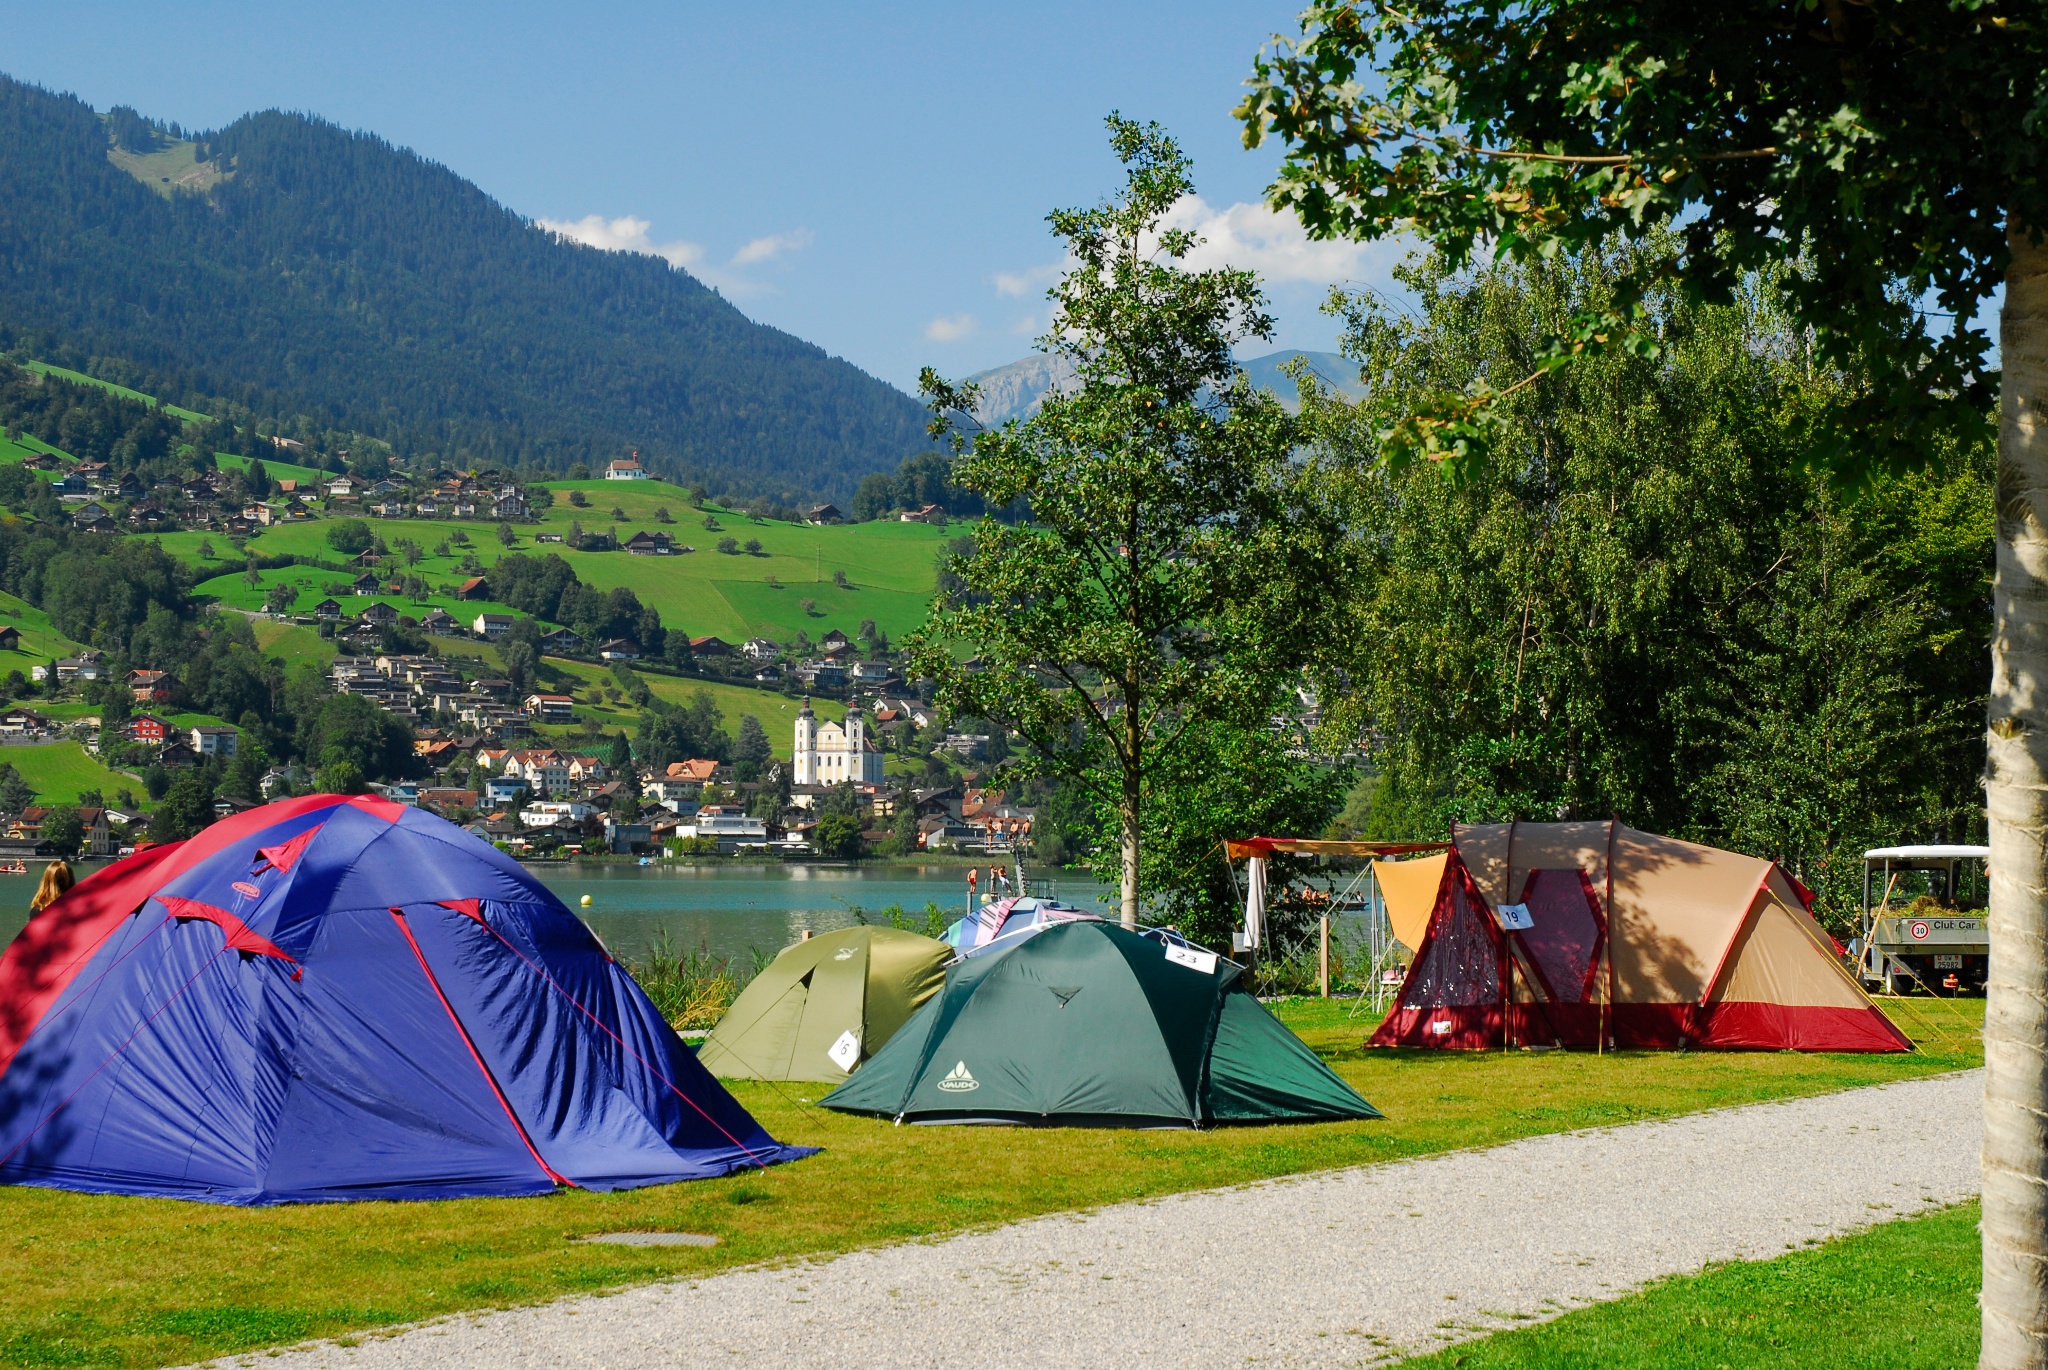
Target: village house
[(492, 627), (212, 740), (619, 649), (625, 470), (10, 638), (150, 687), (561, 642), (551, 708)]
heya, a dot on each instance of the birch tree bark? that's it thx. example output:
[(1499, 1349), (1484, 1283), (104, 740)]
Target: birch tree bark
[(2015, 1299)]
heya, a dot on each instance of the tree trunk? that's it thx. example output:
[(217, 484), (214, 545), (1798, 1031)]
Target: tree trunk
[(1130, 816), (2015, 1300)]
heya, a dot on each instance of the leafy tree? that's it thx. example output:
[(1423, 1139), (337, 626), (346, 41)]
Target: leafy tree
[(662, 515), (903, 831), (522, 666), (354, 729), (729, 546), (63, 830), (1896, 153), (751, 750), (839, 579), (281, 597), (669, 734), (350, 537), (15, 795), (156, 782), (187, 806), (339, 776), (506, 536), (753, 547), (838, 836), (244, 777), (808, 607), (578, 471), (1174, 549)]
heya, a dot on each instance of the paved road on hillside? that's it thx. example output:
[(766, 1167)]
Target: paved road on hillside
[(1345, 1268)]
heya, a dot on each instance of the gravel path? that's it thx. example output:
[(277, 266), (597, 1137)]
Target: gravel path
[(1345, 1268)]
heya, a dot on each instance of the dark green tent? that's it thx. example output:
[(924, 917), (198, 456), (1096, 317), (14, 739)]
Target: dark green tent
[(825, 1005), (1087, 1025)]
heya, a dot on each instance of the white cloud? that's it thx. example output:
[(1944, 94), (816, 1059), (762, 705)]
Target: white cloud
[(1029, 281), (949, 327), (1274, 244), (629, 234), (771, 247)]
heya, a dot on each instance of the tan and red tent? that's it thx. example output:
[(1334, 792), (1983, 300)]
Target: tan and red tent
[(1568, 933)]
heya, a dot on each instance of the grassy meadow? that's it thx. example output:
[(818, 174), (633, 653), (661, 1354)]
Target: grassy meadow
[(1901, 1296), (110, 1281), (890, 568)]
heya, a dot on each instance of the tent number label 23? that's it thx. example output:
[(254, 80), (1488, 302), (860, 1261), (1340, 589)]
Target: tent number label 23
[(1203, 961)]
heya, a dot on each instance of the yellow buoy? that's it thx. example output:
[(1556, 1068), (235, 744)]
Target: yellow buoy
[(586, 901)]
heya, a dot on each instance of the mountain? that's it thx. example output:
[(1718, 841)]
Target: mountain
[(293, 267), (1014, 391)]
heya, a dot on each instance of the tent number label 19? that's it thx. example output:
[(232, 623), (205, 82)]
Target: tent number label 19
[(1515, 918), (845, 1051), (1203, 961)]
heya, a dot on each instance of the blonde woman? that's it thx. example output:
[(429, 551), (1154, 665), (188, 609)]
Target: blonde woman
[(57, 878)]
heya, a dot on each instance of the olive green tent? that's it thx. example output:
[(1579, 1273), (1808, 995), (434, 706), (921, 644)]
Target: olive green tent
[(1087, 1025), (825, 1005)]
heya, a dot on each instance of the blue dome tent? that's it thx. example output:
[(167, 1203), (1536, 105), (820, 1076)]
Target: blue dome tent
[(335, 997)]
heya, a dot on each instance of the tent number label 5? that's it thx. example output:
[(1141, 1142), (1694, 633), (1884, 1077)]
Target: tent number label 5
[(958, 1081), (845, 1051), (1515, 918), (1203, 961)]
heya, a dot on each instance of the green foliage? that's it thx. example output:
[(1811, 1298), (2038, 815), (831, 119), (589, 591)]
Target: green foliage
[(837, 835), (1646, 605), (923, 479), (1175, 556), (669, 734), (751, 749), (89, 423), (1887, 149), (15, 795), (354, 731), (332, 273), (1228, 783), (351, 537), (186, 807), (63, 830)]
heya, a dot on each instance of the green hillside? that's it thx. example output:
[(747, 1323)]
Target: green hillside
[(304, 269), (891, 568), (59, 771), (79, 377)]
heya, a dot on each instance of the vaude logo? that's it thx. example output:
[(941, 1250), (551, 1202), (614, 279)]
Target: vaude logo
[(959, 1081)]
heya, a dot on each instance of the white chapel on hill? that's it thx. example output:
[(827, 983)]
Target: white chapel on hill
[(832, 753)]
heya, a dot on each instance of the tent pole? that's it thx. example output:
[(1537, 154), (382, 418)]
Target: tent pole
[(1607, 999), (1323, 960)]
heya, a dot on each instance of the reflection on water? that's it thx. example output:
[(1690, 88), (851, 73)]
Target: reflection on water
[(727, 910)]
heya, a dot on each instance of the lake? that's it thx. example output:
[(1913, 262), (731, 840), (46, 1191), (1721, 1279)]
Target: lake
[(726, 909)]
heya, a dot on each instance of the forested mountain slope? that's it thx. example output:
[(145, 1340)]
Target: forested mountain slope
[(293, 267)]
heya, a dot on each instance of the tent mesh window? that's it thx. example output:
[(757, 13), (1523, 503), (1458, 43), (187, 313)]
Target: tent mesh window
[(1460, 963), (1565, 939)]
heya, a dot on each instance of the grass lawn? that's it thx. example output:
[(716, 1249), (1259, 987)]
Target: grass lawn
[(59, 771), (118, 1281), (294, 644), (890, 567), (79, 377), (1901, 1295), (40, 642), (278, 470)]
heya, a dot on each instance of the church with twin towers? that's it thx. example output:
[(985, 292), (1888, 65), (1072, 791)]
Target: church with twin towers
[(833, 753)]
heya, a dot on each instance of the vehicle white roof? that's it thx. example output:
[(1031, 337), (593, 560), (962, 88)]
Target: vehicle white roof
[(1924, 853)]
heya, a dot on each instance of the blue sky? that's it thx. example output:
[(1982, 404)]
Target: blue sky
[(873, 178)]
